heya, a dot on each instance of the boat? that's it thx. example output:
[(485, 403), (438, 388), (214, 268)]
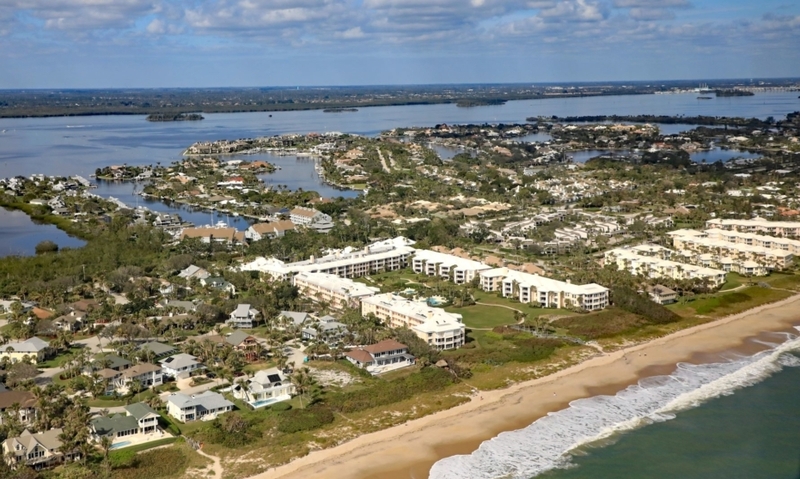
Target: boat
[(704, 98)]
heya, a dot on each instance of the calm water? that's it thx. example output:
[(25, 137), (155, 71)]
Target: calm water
[(80, 145), (19, 235), (739, 418)]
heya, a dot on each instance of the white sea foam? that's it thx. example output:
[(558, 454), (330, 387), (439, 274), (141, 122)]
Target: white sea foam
[(547, 443)]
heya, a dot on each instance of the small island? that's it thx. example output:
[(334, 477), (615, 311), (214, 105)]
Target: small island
[(469, 103), (724, 93), (339, 110), (175, 117)]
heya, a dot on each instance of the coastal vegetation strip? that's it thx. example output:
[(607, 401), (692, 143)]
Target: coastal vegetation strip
[(166, 117)]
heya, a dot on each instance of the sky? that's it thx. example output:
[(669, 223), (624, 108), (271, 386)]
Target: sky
[(231, 43)]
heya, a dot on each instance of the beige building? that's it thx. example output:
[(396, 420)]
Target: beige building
[(388, 255), (38, 450), (547, 292), (757, 225), (744, 253), (654, 267), (450, 267), (440, 329), (338, 292), (34, 348)]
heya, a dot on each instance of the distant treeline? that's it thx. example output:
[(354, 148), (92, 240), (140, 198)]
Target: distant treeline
[(174, 117), (663, 119), (468, 103), (723, 93)]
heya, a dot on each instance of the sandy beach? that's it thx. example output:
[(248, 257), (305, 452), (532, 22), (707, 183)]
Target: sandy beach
[(409, 450)]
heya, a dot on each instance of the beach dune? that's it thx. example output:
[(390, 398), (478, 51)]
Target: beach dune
[(409, 450)]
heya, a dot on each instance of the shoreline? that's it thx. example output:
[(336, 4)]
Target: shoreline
[(409, 450)]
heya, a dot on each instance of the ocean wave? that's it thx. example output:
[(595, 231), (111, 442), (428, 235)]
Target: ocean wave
[(549, 442)]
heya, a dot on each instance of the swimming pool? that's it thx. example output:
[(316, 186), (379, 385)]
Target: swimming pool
[(120, 444)]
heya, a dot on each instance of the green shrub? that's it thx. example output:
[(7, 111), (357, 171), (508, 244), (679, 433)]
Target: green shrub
[(122, 458), (604, 324), (281, 406), (632, 302), (305, 419), (382, 393)]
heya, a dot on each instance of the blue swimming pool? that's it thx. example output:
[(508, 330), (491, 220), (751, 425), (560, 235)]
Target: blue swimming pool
[(120, 444)]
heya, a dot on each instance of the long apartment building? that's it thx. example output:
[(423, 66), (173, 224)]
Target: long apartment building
[(733, 249), (635, 262), (448, 266), (382, 256), (338, 292), (757, 225), (549, 293), (440, 329)]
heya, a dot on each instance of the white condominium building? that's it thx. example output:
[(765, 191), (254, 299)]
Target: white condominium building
[(441, 330), (386, 255), (448, 266), (751, 239), (336, 291), (549, 293), (782, 228), (715, 244), (654, 267)]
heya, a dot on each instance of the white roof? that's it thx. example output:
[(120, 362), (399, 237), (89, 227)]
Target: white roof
[(433, 319), (206, 400), (331, 282), (342, 258), (32, 345), (449, 260)]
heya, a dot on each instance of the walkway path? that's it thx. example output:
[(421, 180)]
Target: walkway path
[(383, 162), (216, 467)]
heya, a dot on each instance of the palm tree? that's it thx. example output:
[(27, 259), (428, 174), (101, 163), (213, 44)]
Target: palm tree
[(302, 381), (105, 444)]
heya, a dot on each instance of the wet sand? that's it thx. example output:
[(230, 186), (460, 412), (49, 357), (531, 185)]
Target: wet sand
[(408, 451)]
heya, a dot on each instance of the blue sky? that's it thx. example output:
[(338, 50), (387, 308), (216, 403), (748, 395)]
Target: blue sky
[(198, 43)]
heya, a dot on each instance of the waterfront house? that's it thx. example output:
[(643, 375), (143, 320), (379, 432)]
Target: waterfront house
[(661, 294), (204, 406), (384, 356), (24, 400), (34, 348), (243, 316), (40, 450), (214, 235), (265, 388), (180, 364), (138, 419)]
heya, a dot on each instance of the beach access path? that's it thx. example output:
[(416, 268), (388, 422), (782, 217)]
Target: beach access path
[(410, 449)]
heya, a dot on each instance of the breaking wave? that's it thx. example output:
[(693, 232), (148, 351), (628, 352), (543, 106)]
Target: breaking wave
[(549, 442)]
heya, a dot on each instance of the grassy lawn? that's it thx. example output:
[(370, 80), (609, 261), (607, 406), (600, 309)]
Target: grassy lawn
[(733, 281), (59, 360), (724, 304), (114, 401), (479, 316)]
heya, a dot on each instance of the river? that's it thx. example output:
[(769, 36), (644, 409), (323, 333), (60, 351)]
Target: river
[(79, 145)]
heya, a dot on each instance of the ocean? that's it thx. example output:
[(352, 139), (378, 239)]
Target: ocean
[(738, 418)]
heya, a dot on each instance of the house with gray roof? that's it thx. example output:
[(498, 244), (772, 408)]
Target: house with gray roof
[(295, 317), (243, 316), (34, 348), (180, 364), (194, 272), (204, 406), (187, 306), (38, 450), (327, 330), (158, 349), (139, 418)]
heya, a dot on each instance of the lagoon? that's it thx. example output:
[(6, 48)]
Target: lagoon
[(19, 235)]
